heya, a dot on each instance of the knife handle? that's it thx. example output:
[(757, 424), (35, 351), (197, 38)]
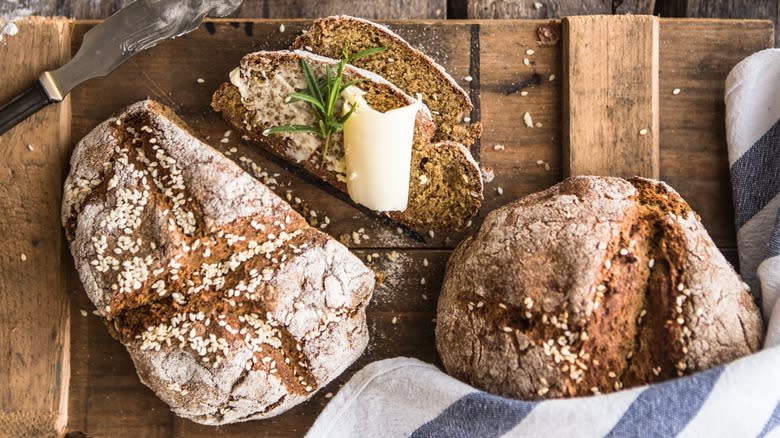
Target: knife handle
[(22, 106)]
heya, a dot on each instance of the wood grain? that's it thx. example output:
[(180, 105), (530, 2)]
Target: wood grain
[(610, 95), (554, 9), (696, 56), (34, 323), (767, 9), (106, 397), (99, 9)]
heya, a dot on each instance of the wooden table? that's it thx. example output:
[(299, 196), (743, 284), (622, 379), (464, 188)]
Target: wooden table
[(46, 325)]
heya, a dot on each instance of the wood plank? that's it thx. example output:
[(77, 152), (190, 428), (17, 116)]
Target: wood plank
[(696, 56), (524, 160), (554, 8), (376, 10), (765, 9), (34, 328), (610, 96), (99, 9), (535, 9)]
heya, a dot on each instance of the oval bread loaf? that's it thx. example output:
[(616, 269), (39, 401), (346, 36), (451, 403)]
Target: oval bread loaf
[(231, 307), (593, 285)]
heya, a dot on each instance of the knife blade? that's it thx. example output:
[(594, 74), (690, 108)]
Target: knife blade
[(136, 27)]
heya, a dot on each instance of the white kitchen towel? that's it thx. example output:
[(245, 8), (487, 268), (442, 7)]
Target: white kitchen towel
[(753, 135), (404, 397)]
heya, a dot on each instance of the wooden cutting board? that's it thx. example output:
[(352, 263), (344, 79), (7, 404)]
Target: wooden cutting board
[(608, 95)]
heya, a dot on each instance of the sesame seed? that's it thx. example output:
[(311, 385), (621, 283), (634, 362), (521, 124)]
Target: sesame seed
[(282, 28), (498, 147), (529, 52), (424, 297), (23, 256), (468, 78), (466, 119), (480, 304), (623, 251), (30, 147), (651, 263), (83, 312), (422, 280), (643, 131), (224, 140), (601, 245), (431, 233), (529, 121), (394, 320), (507, 329), (551, 78), (680, 287), (425, 262), (500, 190), (538, 5), (538, 124), (329, 395), (200, 80), (676, 91), (543, 391), (526, 61), (524, 93), (612, 374), (608, 264), (502, 305)]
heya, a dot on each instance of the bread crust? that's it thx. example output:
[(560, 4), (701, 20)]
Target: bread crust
[(556, 294), (232, 308)]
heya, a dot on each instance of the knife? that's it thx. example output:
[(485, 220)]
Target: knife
[(138, 26)]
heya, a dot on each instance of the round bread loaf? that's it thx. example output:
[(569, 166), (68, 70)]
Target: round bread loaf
[(231, 306), (591, 286)]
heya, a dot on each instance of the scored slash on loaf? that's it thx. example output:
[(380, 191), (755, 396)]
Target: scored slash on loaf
[(231, 306)]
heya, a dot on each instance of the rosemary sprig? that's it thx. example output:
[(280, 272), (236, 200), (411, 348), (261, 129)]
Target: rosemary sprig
[(321, 95)]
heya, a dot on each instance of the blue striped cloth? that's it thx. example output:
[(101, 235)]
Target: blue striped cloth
[(404, 397)]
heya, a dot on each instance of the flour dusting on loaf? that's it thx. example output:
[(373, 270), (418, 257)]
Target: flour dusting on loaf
[(231, 306)]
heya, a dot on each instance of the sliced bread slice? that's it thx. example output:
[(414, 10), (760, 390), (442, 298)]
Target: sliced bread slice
[(403, 65), (445, 187)]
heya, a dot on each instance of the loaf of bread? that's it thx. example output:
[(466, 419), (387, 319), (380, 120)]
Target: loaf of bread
[(445, 187), (231, 307), (403, 65), (593, 285)]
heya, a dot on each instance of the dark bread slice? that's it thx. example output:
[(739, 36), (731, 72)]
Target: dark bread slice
[(403, 65), (445, 187)]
